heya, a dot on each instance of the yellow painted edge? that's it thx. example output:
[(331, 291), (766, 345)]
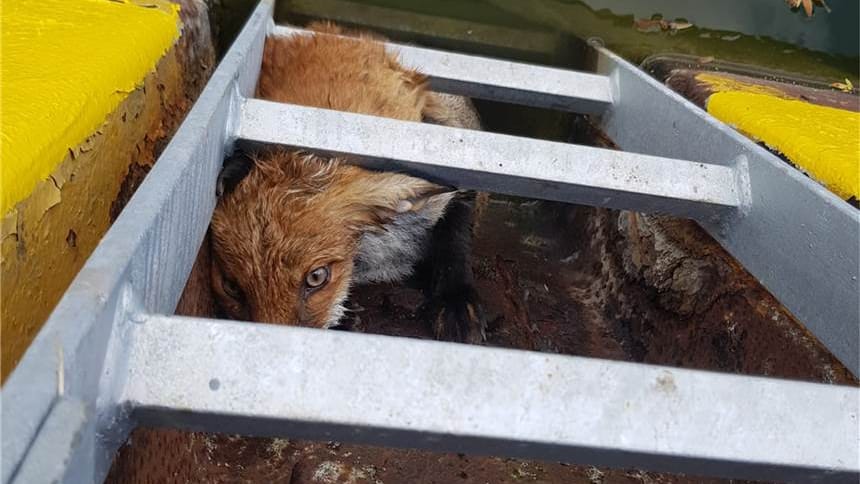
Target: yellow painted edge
[(65, 66), (718, 83), (822, 141)]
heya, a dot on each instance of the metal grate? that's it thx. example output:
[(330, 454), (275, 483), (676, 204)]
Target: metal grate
[(109, 358)]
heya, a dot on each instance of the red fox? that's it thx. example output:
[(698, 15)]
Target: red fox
[(293, 231)]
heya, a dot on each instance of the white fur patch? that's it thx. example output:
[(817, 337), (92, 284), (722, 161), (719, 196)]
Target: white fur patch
[(337, 310), (390, 255)]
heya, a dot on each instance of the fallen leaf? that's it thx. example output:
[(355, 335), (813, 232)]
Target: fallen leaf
[(680, 25), (649, 25), (808, 5), (847, 86), (731, 38), (655, 25), (706, 59)]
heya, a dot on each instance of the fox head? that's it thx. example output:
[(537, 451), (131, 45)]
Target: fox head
[(292, 231), (289, 227)]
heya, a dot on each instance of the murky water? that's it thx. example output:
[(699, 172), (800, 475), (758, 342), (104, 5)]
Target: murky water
[(764, 33), (836, 32)]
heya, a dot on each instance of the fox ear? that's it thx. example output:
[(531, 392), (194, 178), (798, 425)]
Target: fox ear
[(235, 168), (385, 196), (450, 110)]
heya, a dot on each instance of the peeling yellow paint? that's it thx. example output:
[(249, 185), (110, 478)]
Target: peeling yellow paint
[(45, 244), (10, 225), (46, 198), (65, 66), (822, 141)]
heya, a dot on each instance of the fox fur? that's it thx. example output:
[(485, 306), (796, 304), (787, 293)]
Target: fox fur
[(287, 218)]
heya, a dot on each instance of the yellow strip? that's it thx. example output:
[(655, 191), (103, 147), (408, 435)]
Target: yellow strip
[(717, 83), (822, 141), (66, 64)]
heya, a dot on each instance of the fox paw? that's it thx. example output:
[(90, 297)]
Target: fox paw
[(457, 316)]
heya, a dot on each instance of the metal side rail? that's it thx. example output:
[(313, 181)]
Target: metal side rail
[(798, 239), (140, 265), (105, 359)]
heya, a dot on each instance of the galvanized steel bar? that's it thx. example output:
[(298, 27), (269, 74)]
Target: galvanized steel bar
[(801, 241), (141, 264), (500, 163), (501, 80), (278, 380), (66, 438)]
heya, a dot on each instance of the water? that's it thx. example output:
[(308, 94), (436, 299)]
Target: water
[(835, 33), (770, 34), (764, 33)]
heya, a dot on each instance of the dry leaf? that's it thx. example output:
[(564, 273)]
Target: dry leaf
[(808, 5), (706, 59), (649, 25), (656, 25), (679, 25), (847, 86)]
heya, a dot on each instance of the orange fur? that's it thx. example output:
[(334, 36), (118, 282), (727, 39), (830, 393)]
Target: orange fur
[(355, 75), (295, 212)]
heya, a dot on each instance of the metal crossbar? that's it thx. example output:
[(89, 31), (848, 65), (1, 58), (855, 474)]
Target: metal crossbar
[(501, 80), (486, 401), (108, 358), (499, 163)]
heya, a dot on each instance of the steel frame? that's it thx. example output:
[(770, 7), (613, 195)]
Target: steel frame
[(108, 358)]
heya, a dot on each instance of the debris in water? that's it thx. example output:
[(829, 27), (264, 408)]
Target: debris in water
[(808, 5), (570, 258), (658, 24), (679, 25), (846, 86)]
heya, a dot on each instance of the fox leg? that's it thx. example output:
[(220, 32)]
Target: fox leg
[(453, 306)]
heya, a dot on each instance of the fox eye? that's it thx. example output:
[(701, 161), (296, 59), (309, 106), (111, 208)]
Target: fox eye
[(232, 289), (317, 278)]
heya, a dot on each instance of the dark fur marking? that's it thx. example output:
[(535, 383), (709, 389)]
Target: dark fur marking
[(453, 306), (235, 168)]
